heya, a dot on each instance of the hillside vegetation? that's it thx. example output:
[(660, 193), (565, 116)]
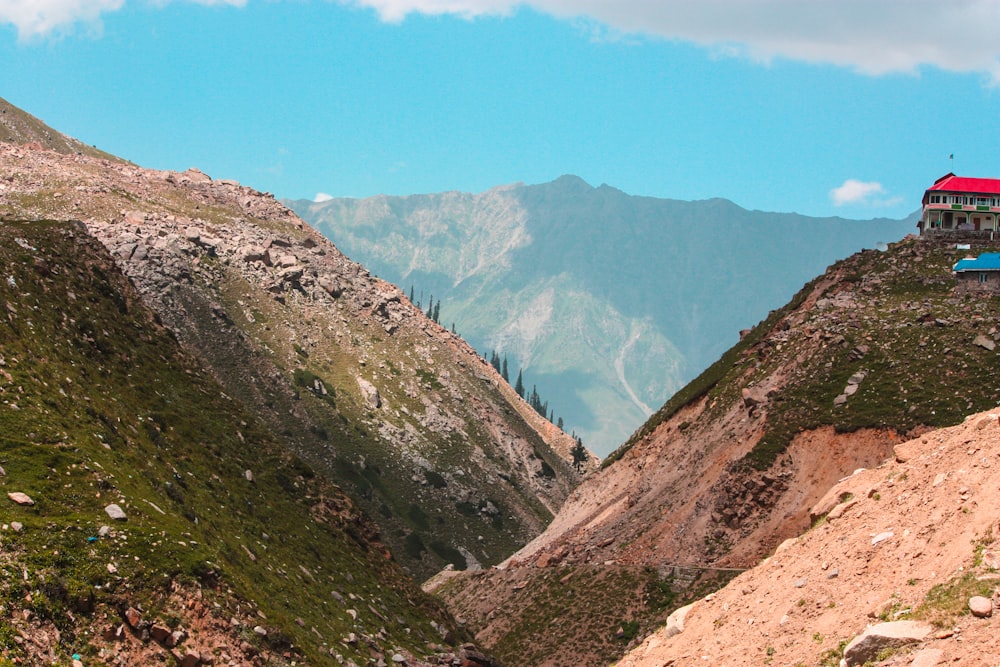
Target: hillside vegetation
[(355, 380), (230, 548)]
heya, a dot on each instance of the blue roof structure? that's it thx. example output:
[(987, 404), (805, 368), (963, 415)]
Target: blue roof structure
[(988, 261)]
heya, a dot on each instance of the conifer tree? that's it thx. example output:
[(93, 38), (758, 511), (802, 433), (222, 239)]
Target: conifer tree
[(519, 385), (437, 312), (579, 453), (503, 370)]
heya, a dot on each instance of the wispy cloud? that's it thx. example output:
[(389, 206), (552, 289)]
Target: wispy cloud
[(860, 193), (870, 36), (40, 18)]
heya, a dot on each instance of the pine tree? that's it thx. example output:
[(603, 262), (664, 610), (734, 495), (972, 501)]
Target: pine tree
[(560, 423), (519, 385), (579, 453), (411, 294), (495, 361), (437, 312), (503, 370)]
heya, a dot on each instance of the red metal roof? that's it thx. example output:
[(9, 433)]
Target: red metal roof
[(953, 183)]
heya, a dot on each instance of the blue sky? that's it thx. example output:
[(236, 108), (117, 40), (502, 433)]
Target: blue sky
[(827, 107)]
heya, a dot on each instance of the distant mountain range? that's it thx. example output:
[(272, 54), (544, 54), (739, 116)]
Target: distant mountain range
[(610, 302)]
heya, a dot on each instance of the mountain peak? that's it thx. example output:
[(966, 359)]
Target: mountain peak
[(571, 181)]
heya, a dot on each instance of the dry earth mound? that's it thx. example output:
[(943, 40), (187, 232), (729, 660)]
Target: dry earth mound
[(911, 540)]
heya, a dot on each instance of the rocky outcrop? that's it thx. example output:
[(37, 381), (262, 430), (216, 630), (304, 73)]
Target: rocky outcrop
[(364, 386)]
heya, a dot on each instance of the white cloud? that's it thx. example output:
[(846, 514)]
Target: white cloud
[(858, 192), (869, 36), (38, 18), (322, 197)]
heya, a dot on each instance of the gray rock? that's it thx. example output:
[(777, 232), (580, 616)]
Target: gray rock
[(985, 342), (876, 638), (369, 393), (116, 512)]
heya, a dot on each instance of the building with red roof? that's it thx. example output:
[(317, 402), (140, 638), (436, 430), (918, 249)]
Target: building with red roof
[(959, 203)]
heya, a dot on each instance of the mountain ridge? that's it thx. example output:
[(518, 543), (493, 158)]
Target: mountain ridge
[(492, 257)]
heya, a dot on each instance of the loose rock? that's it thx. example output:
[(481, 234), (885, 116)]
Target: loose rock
[(980, 606), (21, 498)]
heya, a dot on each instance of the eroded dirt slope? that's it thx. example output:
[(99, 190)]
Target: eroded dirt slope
[(912, 539)]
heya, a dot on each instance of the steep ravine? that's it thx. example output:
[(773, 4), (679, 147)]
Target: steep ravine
[(878, 349)]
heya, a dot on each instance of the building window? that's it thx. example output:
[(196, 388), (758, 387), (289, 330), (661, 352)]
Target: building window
[(982, 277), (982, 201), (935, 199)]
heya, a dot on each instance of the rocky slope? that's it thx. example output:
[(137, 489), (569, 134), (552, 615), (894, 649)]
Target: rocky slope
[(611, 302), (149, 518), (355, 380), (877, 348), (20, 127), (911, 541)]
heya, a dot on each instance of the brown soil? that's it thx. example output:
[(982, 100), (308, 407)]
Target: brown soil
[(938, 500)]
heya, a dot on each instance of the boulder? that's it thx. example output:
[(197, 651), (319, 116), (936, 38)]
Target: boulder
[(675, 622), (369, 393), (981, 607), (21, 498), (878, 637), (985, 342), (133, 617), (116, 512)]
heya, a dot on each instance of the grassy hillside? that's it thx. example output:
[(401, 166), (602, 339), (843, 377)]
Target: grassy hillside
[(353, 378), (225, 531)]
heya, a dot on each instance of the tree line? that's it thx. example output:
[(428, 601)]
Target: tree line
[(534, 399)]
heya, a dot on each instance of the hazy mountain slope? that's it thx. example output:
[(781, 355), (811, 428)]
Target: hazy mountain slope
[(233, 551), (878, 346), (411, 421), (611, 302)]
